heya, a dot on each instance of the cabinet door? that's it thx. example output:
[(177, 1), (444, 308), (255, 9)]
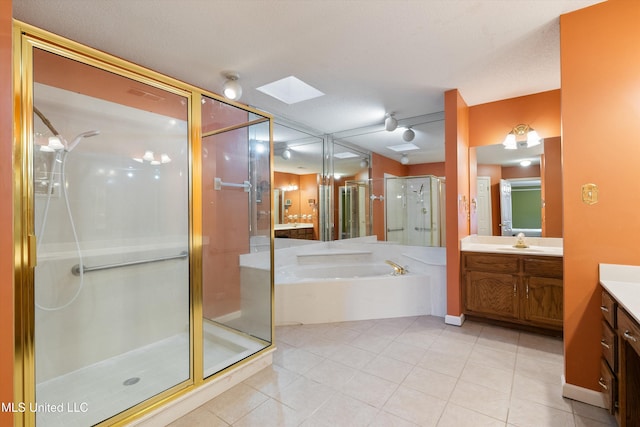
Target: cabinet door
[(543, 301), (491, 294)]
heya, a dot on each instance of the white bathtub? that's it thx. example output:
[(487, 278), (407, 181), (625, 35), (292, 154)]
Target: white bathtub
[(333, 283)]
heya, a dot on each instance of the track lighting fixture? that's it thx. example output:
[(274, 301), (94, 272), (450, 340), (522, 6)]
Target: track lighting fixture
[(231, 88), (390, 123), (286, 154), (408, 135)]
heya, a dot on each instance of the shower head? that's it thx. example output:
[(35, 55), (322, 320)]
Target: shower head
[(76, 140)]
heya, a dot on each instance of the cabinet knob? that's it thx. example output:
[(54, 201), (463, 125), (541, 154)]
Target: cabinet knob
[(629, 337), (602, 383)]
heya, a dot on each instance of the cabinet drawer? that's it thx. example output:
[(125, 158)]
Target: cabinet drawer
[(608, 307), (490, 262), (629, 330), (608, 386), (609, 343), (545, 267)]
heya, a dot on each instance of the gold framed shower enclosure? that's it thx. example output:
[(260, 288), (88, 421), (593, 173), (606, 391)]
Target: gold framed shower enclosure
[(172, 246)]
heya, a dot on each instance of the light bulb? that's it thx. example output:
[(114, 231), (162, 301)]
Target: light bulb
[(148, 156), (286, 154), (231, 88), (164, 158), (408, 135), (510, 142), (404, 159)]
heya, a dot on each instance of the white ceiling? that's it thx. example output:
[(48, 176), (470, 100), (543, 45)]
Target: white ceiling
[(369, 57)]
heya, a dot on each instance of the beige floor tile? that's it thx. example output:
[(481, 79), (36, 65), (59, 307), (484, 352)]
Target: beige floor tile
[(404, 352), (529, 414), (385, 419), (481, 399), (342, 335), (270, 414), (298, 360), (590, 422), (538, 391), (271, 380), (342, 410), (305, 396), (199, 418), (235, 403), (494, 378), (418, 338), (447, 364), (451, 346), (389, 369), (592, 412), (541, 347), (493, 358), (320, 346), (457, 416), (370, 389), (430, 382), (415, 406), (352, 356), (385, 330), (330, 373), (499, 338), (372, 343), (540, 368)]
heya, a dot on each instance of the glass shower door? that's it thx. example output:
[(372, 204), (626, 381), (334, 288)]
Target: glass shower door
[(111, 219), (236, 233)]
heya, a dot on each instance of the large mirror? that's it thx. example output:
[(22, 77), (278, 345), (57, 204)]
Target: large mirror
[(519, 190)]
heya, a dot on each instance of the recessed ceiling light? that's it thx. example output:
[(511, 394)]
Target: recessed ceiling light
[(345, 155), (403, 147), (290, 90)]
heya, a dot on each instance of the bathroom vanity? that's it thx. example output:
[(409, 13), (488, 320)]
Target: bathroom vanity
[(620, 363), (520, 287), (294, 231)]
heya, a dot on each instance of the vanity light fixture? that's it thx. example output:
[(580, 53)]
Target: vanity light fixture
[(521, 130), (408, 135), (231, 88), (390, 123)]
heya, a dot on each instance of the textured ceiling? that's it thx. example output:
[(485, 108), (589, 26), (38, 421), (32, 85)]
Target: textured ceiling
[(368, 56)]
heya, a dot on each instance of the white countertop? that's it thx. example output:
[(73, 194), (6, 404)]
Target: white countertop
[(623, 283), (292, 226), (543, 246)]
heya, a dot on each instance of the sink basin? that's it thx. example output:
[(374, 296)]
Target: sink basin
[(519, 250)]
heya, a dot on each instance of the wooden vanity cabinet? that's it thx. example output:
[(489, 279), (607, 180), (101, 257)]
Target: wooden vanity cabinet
[(520, 289), (620, 363)]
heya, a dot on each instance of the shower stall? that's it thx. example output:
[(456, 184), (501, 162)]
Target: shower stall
[(141, 197), (414, 210)]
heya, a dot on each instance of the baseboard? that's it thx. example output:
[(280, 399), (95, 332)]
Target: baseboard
[(582, 394), (454, 320), (186, 403)]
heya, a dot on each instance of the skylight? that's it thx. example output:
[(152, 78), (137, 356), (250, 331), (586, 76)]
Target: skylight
[(345, 155), (290, 90), (403, 147)]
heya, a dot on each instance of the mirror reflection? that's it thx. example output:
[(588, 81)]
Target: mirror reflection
[(519, 190)]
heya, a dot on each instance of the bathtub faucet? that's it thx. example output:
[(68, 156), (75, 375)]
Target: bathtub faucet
[(397, 268)]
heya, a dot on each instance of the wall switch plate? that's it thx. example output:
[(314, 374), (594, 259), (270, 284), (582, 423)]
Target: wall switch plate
[(590, 194)]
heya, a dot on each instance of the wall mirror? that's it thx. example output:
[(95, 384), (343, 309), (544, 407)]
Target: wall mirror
[(513, 198)]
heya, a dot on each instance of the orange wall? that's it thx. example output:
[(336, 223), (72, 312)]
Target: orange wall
[(6, 212), (515, 172), (600, 63), (456, 147), (435, 169), (309, 190), (489, 123)]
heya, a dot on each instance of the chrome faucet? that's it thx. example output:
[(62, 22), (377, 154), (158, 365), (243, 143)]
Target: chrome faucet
[(397, 268)]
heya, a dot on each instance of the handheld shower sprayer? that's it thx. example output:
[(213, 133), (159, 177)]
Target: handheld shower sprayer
[(76, 140)]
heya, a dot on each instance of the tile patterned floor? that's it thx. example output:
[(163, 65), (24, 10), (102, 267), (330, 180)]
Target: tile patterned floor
[(410, 371)]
